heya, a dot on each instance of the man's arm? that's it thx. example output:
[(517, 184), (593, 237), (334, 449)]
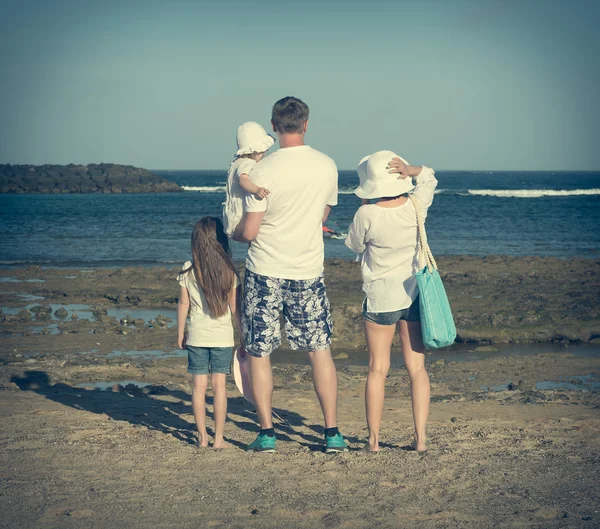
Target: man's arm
[(326, 214), (248, 228)]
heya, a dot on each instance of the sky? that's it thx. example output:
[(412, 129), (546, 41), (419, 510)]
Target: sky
[(164, 84)]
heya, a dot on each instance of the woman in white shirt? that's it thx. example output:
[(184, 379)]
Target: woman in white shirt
[(385, 232)]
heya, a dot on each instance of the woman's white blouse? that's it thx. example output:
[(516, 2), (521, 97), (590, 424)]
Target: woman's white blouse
[(387, 238)]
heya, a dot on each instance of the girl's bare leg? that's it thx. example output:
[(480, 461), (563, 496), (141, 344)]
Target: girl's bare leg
[(217, 382), (199, 385), (379, 342), (414, 359)]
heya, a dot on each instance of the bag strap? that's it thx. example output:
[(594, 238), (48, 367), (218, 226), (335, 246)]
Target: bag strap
[(424, 255)]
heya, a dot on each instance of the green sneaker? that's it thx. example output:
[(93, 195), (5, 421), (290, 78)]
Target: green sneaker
[(262, 443), (335, 443)]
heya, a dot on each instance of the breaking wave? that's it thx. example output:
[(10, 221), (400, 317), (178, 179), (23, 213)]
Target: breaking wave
[(205, 189), (532, 193)]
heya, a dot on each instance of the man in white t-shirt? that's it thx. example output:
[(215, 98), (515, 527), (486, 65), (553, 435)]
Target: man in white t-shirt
[(284, 267)]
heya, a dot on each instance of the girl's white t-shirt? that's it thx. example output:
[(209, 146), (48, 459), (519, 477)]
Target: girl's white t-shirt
[(233, 209), (202, 329), (387, 238)]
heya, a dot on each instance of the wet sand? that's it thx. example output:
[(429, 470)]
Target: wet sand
[(513, 430)]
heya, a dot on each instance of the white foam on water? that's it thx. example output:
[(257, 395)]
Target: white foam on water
[(205, 189), (532, 193)]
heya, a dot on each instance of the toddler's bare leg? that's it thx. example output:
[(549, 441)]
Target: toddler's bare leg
[(379, 342), (199, 385), (414, 359)]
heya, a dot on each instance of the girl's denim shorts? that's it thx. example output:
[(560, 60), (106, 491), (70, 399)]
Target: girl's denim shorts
[(205, 360), (412, 313)]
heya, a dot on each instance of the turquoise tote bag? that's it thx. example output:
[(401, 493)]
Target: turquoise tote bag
[(437, 323)]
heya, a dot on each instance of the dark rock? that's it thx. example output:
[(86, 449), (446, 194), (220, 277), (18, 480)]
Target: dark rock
[(155, 390), (24, 315), (532, 397), (42, 312), (61, 313), (172, 300), (162, 320), (103, 318), (93, 178)]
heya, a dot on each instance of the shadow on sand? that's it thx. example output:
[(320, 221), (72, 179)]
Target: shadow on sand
[(161, 409)]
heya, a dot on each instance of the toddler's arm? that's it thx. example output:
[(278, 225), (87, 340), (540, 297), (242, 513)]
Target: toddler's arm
[(251, 187), (183, 307)]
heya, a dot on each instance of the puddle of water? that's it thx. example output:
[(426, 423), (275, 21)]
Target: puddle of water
[(15, 280), (148, 354), (498, 387), (30, 297), (456, 353), (580, 383), (84, 312), (577, 383), (108, 384), (144, 314)]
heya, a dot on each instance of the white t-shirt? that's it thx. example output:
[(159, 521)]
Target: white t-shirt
[(388, 238), (233, 208), (202, 329), (302, 182)]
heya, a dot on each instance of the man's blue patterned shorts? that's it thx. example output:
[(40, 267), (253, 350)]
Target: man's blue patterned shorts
[(305, 309)]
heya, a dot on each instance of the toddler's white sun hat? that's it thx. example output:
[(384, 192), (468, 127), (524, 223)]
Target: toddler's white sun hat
[(375, 179), (252, 138)]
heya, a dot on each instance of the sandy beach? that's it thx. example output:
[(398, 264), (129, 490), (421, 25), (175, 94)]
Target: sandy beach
[(513, 428)]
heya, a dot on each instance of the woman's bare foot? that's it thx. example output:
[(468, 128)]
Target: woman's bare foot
[(202, 441)]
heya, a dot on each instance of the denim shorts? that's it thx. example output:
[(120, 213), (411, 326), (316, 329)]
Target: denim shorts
[(205, 360), (412, 313), (305, 309)]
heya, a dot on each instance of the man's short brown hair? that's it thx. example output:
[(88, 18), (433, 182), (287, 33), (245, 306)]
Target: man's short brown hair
[(289, 115)]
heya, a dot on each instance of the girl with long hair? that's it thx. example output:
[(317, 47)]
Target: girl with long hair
[(210, 294)]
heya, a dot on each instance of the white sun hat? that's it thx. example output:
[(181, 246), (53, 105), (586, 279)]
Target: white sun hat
[(241, 374), (376, 181), (251, 138)]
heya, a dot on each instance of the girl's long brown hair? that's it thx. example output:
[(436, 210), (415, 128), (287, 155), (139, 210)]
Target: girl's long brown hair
[(212, 264)]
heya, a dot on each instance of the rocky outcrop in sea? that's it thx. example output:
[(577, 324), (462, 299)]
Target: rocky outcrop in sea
[(92, 178)]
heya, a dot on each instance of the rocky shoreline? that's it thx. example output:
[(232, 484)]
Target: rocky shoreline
[(91, 178), (495, 300)]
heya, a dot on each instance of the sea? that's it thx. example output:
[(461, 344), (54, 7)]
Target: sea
[(474, 213)]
